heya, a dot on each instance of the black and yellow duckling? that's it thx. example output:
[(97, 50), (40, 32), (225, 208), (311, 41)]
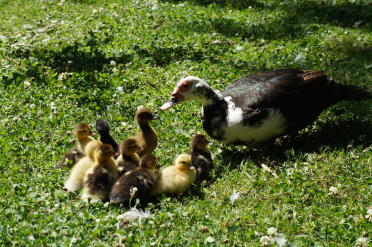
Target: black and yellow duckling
[(147, 137), (175, 179), (201, 158), (83, 133), (100, 177), (135, 184), (129, 159)]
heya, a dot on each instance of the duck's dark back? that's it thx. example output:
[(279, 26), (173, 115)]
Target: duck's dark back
[(300, 95)]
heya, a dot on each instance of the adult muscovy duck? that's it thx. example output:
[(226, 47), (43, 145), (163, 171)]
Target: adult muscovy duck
[(260, 107)]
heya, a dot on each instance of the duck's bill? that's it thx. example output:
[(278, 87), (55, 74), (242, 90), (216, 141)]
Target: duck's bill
[(172, 102)]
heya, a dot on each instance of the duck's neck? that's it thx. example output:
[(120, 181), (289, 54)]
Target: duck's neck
[(144, 126), (208, 96)]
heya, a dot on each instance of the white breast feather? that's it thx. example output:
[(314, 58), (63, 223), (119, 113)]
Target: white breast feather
[(235, 130)]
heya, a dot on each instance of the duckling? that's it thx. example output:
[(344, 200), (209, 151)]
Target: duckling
[(147, 138), (135, 184), (100, 177), (74, 181), (104, 131), (83, 134), (173, 180), (129, 159), (201, 157)]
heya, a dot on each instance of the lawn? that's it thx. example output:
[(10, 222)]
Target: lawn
[(65, 62)]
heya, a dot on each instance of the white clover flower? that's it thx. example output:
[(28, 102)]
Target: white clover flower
[(31, 238), (281, 241), (154, 7), (53, 105), (362, 242), (300, 57), (333, 190), (16, 119), (26, 84), (114, 70), (28, 26), (369, 214), (4, 122), (234, 196), (112, 63), (61, 77), (266, 240), (32, 106), (271, 231), (133, 191), (210, 239), (120, 89), (238, 48)]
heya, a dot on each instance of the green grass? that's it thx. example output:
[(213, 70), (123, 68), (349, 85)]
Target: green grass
[(66, 51)]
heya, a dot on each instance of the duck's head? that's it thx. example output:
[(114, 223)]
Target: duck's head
[(102, 126), (190, 88), (82, 131), (148, 161), (183, 162), (199, 142), (144, 115), (130, 146), (104, 152)]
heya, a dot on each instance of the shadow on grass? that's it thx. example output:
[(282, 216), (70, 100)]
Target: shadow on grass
[(295, 21), (238, 4)]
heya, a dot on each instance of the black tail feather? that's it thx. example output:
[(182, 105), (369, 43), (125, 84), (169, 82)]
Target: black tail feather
[(347, 92)]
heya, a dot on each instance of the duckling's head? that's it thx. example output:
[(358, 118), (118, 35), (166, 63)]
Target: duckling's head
[(103, 152), (199, 142), (144, 115), (190, 88), (130, 146), (102, 126), (82, 131), (148, 161), (183, 162)]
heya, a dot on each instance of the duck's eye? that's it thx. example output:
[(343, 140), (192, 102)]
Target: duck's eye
[(186, 85)]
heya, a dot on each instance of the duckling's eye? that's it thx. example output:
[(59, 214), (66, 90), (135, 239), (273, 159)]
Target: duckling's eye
[(186, 86)]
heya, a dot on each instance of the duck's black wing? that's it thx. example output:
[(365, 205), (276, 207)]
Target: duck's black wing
[(299, 95)]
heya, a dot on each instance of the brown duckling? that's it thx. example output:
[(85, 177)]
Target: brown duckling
[(201, 157), (135, 184), (100, 177), (83, 133), (147, 137), (129, 159), (175, 179)]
